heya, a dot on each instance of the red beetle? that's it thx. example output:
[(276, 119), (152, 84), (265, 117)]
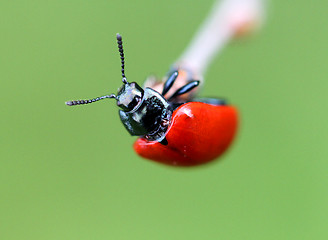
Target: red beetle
[(175, 131)]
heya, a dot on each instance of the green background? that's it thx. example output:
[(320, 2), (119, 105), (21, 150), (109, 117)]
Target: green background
[(71, 173)]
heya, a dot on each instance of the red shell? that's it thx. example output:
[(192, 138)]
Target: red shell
[(199, 133)]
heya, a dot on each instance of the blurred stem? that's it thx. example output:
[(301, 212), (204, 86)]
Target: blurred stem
[(227, 19)]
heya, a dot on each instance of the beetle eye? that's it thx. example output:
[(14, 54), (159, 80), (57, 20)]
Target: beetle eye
[(135, 101)]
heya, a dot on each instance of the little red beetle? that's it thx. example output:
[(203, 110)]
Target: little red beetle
[(175, 128), (178, 130)]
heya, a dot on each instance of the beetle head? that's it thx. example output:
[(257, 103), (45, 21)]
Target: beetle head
[(129, 96)]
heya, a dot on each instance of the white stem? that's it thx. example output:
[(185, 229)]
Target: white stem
[(226, 19)]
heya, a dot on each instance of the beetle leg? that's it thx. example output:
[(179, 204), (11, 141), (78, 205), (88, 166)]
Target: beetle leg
[(212, 101), (164, 142), (169, 82), (186, 88)]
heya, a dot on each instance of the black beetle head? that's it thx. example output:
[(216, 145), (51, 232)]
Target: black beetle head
[(129, 96)]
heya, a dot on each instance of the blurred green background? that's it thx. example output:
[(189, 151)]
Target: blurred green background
[(71, 173)]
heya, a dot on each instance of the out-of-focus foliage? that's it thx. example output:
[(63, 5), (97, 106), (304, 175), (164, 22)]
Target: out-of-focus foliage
[(70, 173)]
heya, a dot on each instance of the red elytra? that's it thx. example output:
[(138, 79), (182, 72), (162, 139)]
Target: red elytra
[(199, 132)]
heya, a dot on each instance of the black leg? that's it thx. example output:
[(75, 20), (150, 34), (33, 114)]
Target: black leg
[(169, 82), (164, 142), (186, 88), (212, 101)]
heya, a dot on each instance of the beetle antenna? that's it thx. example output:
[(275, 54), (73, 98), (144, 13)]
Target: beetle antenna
[(120, 49), (80, 102)]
